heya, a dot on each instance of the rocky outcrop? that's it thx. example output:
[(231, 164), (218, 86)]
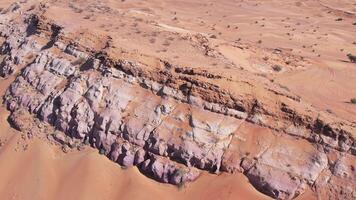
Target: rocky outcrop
[(287, 177), (110, 112), (170, 121)]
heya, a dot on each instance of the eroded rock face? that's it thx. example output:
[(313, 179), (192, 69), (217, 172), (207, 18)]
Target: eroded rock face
[(121, 118), (107, 109), (298, 163), (167, 123)]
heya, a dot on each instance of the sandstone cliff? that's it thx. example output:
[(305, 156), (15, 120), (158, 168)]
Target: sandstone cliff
[(170, 121)]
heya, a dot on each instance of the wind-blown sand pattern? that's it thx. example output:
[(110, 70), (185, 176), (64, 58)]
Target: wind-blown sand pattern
[(177, 99)]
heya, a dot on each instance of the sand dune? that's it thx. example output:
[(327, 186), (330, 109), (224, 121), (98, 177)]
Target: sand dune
[(43, 171)]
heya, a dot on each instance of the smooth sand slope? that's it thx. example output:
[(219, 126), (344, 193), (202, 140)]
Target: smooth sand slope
[(34, 169)]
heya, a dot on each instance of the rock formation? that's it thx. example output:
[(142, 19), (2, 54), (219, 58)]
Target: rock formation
[(171, 121)]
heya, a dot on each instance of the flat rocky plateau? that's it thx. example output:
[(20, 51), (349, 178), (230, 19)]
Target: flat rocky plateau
[(257, 92)]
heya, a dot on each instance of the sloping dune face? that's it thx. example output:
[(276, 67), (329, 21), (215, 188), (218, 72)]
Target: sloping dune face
[(35, 169), (121, 99)]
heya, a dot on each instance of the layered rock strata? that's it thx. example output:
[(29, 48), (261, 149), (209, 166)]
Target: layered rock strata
[(171, 121)]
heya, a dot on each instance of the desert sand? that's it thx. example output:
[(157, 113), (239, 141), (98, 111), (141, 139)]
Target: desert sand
[(36, 169), (273, 73)]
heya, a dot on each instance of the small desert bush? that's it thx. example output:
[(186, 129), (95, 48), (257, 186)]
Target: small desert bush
[(102, 151), (351, 57), (277, 68), (353, 100)]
